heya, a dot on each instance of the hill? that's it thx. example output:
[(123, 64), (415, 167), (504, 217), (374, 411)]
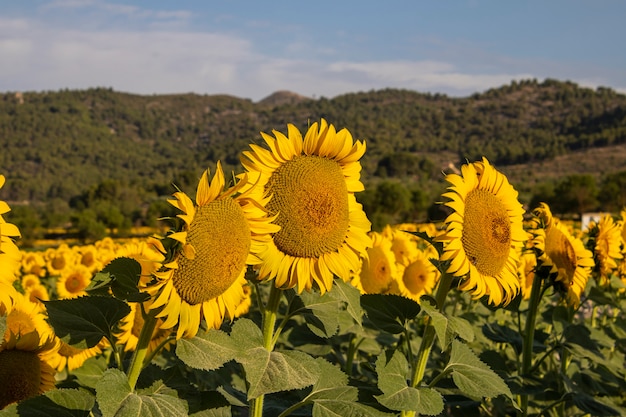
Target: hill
[(61, 148)]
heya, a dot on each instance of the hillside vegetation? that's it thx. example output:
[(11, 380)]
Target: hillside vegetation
[(100, 158)]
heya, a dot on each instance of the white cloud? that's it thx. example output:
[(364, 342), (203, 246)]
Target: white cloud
[(38, 57)]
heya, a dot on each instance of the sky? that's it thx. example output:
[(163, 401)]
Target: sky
[(323, 48)]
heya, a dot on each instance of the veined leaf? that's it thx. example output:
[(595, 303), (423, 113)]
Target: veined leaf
[(57, 402), (351, 296), (388, 312), (122, 276), (397, 394), (115, 398), (207, 351), (473, 377), (83, 322), (321, 312), (438, 321), (339, 408)]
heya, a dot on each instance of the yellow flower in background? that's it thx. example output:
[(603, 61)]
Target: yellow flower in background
[(69, 357), (417, 278), (311, 181), (607, 249), (37, 293), (130, 329), (484, 233), (34, 263), (88, 256), (403, 244), (73, 281), (565, 254), (222, 234), (379, 269), (58, 259), (25, 370)]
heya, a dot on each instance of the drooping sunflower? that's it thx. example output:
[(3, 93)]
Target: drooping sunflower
[(605, 237), (312, 181), (223, 232), (417, 278), (564, 253), (379, 269), (484, 233)]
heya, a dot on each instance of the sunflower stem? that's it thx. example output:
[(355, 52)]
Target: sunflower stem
[(529, 335), (137, 362), (428, 338), (269, 323)]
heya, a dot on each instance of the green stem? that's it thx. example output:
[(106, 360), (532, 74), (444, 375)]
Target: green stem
[(137, 362), (269, 322), (529, 336), (429, 332)]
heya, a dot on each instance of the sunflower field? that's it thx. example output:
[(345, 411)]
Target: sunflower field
[(270, 295)]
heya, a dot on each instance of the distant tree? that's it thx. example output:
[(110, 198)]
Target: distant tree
[(576, 194), (612, 195)]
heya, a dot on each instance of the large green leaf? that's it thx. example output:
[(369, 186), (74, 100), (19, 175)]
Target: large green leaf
[(388, 312), (350, 296), (83, 322), (207, 351), (340, 408), (438, 321), (397, 394), (58, 403), (321, 312), (122, 276), (473, 377), (116, 399)]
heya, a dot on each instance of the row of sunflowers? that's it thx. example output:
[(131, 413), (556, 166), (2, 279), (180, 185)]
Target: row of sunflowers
[(284, 248)]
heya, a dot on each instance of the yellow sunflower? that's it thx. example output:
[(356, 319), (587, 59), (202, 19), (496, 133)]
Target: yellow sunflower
[(10, 255), (312, 182), (379, 268), (403, 244), (88, 256), (37, 293), (26, 317), (222, 234), (69, 357), (130, 329), (565, 254), (58, 259), (73, 281), (606, 236), (417, 278), (34, 263), (24, 368), (484, 233)]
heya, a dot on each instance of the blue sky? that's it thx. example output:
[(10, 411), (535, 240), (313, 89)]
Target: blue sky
[(250, 48)]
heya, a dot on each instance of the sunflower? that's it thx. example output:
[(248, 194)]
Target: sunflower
[(222, 234), (34, 263), (130, 329), (379, 268), (417, 278), (58, 259), (10, 255), (88, 256), (37, 293), (564, 253), (484, 233), (73, 281), (312, 182), (606, 238), (26, 317), (403, 244), (24, 368)]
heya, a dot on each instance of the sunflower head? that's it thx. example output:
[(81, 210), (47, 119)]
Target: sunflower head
[(484, 233), (311, 181), (565, 254), (207, 258), (418, 277), (379, 269), (605, 241)]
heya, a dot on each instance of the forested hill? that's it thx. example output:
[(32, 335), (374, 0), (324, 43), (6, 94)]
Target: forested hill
[(58, 145)]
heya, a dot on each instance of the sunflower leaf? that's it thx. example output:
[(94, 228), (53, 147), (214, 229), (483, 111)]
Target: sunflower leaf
[(472, 376), (439, 322), (397, 394), (57, 402), (321, 312), (83, 322), (207, 351), (121, 275), (268, 372), (115, 398), (388, 312), (350, 295)]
